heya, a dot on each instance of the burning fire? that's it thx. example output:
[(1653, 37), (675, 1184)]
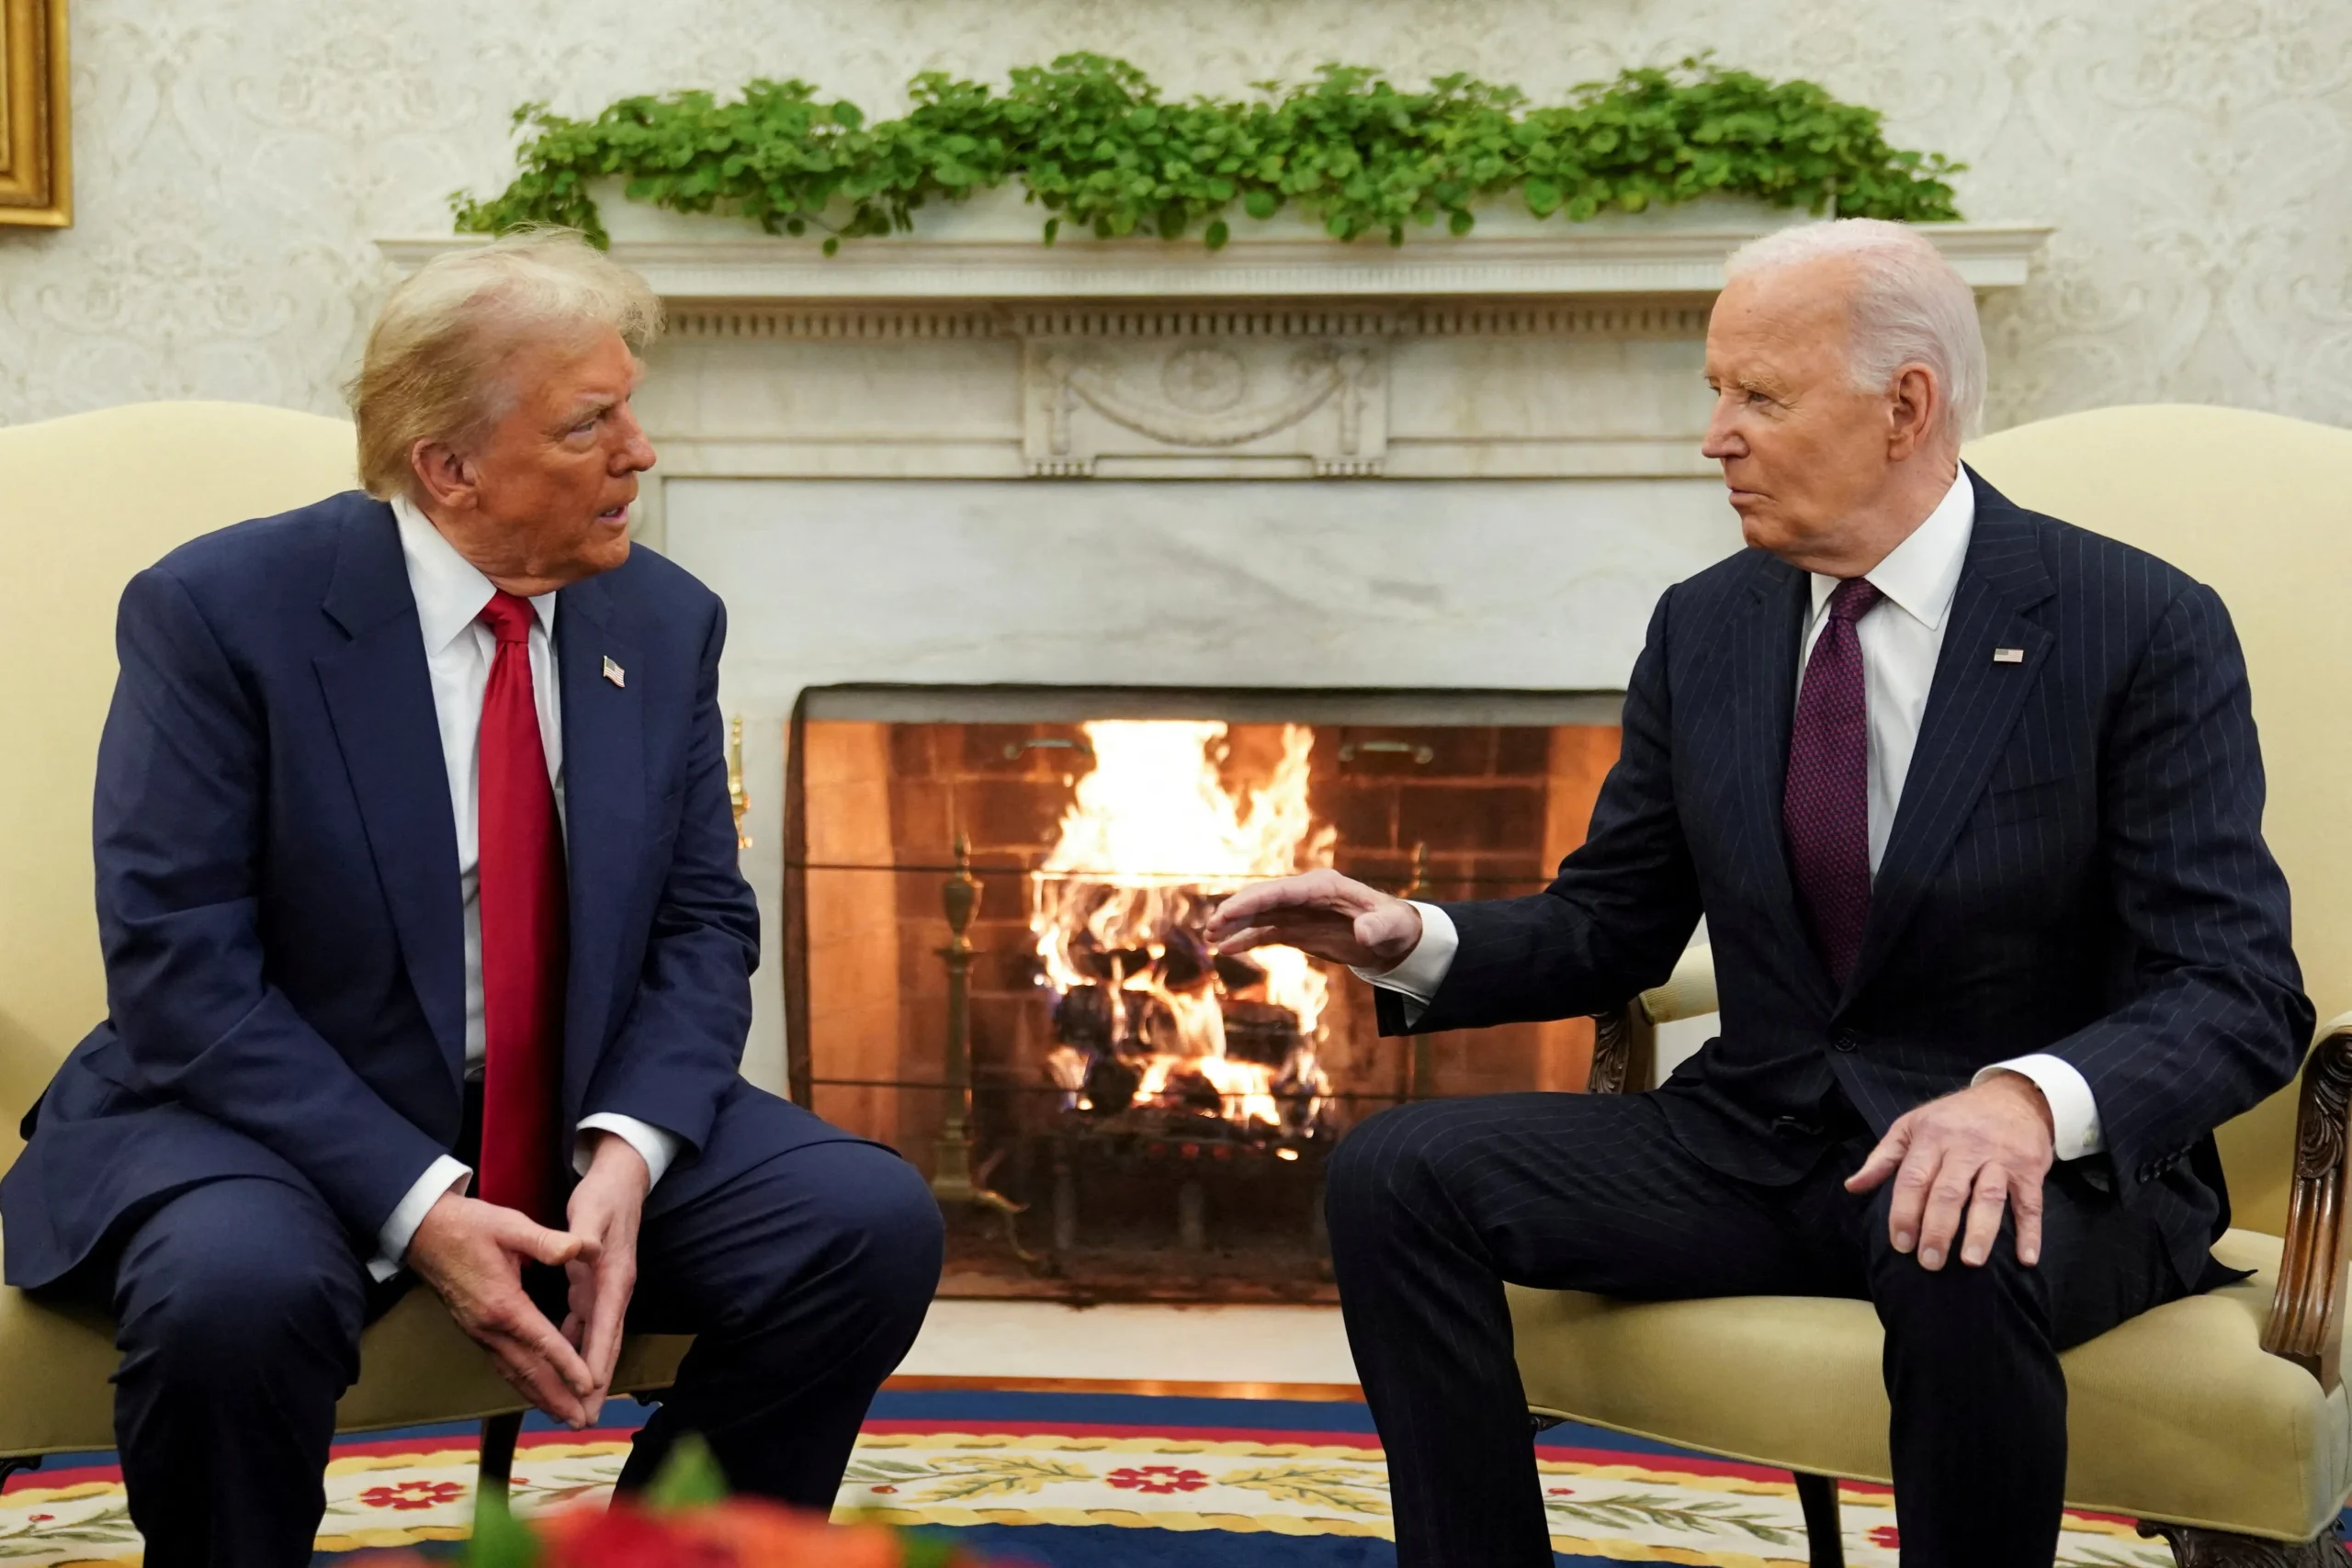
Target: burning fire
[(1142, 1006)]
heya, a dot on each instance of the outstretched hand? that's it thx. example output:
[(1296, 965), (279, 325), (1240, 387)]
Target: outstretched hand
[(1321, 913), (1966, 1157)]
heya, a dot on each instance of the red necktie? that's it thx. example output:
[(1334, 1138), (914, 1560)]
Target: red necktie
[(523, 909), (1825, 799)]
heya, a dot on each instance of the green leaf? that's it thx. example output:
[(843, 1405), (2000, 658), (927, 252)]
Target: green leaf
[(499, 1540), (923, 1550), (1261, 204), (1217, 235), (689, 1477)]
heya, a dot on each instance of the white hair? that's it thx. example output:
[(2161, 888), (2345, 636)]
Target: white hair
[(437, 359), (1909, 307)]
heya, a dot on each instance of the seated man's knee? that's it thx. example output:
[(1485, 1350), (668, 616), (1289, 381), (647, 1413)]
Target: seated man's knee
[(1394, 1160), (902, 1237), (1959, 1297), (232, 1279), (882, 1243)]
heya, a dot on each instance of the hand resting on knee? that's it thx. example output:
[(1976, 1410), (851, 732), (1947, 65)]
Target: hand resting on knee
[(1968, 1155)]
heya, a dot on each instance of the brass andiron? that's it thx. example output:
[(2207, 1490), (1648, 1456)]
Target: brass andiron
[(951, 1179), (738, 796)]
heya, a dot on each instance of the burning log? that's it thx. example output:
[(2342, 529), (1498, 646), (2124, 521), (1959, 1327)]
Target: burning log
[(1189, 1089), (1260, 1032), (1237, 972), (1083, 1017), (1185, 963), (1110, 1085)]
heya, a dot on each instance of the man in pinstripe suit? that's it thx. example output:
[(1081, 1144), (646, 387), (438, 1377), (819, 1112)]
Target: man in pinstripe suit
[(1970, 800)]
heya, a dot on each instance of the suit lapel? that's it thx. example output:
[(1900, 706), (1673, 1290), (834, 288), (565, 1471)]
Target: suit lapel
[(379, 699), (603, 794), (1972, 707), (1764, 684)]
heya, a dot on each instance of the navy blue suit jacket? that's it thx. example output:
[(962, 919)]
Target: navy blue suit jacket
[(2076, 867), (278, 898)]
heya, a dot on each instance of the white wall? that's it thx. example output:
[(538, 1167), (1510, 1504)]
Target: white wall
[(235, 158)]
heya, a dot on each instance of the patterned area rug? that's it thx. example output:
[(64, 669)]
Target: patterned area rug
[(1083, 1480)]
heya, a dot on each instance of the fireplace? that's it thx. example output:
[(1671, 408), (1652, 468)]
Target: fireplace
[(1160, 1115)]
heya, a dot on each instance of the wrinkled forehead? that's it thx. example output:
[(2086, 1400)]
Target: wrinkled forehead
[(1788, 318), (564, 374)]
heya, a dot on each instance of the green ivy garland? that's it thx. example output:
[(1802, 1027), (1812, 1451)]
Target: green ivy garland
[(1093, 143)]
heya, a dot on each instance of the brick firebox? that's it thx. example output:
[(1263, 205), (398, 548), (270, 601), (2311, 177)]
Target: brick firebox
[(875, 808)]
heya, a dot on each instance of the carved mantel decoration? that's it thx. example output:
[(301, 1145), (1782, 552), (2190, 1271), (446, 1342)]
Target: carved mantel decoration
[(1228, 383)]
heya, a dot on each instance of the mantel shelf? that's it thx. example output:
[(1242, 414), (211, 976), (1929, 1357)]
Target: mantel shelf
[(710, 259)]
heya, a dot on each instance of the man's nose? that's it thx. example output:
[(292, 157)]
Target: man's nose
[(1720, 440), (637, 452)]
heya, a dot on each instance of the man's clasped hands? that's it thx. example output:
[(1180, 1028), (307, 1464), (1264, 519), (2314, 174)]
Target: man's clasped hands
[(472, 1254)]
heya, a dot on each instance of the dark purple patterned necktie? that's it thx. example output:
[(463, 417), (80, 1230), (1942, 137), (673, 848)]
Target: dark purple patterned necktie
[(1825, 801)]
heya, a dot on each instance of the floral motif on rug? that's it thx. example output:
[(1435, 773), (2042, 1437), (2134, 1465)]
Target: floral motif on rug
[(1604, 1504)]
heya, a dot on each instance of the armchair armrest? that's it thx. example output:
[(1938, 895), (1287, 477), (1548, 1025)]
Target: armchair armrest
[(1624, 1041), (2307, 1313)]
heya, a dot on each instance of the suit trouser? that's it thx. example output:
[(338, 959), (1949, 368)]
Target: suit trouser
[(239, 1306), (1434, 1206)]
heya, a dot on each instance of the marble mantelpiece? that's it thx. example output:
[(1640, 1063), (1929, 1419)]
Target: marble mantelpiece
[(970, 350)]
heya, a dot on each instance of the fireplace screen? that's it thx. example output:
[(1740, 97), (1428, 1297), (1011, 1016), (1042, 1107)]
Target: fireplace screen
[(995, 961)]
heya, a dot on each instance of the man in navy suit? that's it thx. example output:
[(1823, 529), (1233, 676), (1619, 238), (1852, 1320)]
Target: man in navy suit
[(1971, 802), (427, 956)]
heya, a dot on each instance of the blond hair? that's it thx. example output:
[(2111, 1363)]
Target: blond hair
[(1909, 307), (436, 357)]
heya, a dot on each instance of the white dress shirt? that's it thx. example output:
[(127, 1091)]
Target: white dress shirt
[(1900, 641), (459, 650)]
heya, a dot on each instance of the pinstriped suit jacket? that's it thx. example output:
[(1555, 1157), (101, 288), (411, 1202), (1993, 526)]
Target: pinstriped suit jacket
[(2076, 867)]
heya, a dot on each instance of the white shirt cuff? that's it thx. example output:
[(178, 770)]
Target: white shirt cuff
[(656, 1147), (2074, 1114), (1417, 975), (444, 1175)]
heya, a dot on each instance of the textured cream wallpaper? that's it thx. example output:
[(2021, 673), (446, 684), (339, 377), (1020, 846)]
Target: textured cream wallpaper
[(235, 158)]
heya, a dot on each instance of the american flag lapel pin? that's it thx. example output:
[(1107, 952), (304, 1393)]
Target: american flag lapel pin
[(619, 677), (2000, 656)]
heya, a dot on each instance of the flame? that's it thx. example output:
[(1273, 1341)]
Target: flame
[(1149, 842)]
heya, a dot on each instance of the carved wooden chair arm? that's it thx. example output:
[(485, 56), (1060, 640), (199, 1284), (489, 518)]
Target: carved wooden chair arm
[(2307, 1314), (1624, 1039), (1625, 1050)]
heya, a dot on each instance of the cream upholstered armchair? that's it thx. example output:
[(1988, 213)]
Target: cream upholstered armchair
[(85, 503), (2220, 1420)]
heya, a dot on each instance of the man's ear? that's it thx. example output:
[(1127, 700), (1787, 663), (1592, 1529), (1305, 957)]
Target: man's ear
[(1913, 406), (445, 476)]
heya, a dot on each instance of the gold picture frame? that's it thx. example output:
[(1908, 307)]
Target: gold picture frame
[(35, 157)]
